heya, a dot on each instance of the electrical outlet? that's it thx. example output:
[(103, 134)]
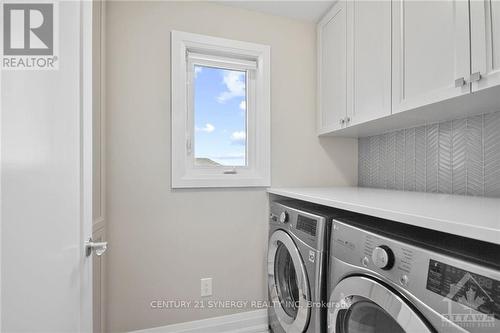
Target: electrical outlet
[(206, 287)]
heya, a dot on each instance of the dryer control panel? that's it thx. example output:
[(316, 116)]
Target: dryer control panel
[(454, 287), (468, 288), (374, 252)]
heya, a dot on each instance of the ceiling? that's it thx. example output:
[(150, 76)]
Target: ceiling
[(310, 11)]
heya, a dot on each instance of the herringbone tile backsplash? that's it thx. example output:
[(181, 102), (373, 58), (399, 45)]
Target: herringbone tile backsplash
[(460, 157)]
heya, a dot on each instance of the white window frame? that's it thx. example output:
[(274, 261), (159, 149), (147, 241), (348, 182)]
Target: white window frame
[(187, 50)]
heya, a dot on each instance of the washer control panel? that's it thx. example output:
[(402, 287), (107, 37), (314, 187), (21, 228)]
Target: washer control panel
[(311, 228), (284, 217)]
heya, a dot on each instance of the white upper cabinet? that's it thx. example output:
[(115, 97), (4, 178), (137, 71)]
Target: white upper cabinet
[(354, 64), (369, 57), (485, 44), (377, 59), (431, 59), (332, 69)]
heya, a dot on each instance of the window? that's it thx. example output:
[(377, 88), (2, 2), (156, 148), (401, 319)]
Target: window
[(219, 98), (220, 112)]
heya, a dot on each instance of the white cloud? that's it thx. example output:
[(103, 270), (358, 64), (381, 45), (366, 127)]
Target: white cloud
[(208, 128), (197, 69), (239, 137), (235, 84), (243, 105)]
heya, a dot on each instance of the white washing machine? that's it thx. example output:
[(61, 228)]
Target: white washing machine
[(389, 277)]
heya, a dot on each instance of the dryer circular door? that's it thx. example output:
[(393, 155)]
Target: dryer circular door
[(361, 304), (288, 283)]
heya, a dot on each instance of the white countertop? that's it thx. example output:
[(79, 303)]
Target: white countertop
[(472, 217)]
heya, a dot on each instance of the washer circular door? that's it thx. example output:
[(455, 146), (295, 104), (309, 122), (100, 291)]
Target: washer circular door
[(361, 304), (288, 284)]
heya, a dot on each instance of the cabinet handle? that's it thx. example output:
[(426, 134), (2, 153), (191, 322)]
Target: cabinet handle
[(460, 82), (342, 121), (347, 120), (475, 77)]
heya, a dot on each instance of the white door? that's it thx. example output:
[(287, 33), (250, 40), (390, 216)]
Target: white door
[(485, 44), (369, 47), (431, 58), (46, 186), (332, 69)]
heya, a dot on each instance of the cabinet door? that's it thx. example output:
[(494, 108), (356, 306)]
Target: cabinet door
[(430, 52), (369, 77), (332, 100), (485, 43)]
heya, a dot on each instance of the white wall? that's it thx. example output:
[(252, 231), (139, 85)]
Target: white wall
[(162, 241)]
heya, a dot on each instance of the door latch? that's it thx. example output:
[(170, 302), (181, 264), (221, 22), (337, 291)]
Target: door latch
[(97, 247)]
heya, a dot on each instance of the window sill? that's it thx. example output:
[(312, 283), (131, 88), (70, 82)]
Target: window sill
[(223, 181)]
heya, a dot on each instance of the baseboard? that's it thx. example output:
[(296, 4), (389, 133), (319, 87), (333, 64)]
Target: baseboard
[(245, 322)]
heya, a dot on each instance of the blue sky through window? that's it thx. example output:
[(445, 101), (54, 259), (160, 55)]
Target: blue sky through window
[(219, 116)]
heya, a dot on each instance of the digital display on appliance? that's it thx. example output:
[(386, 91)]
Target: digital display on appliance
[(472, 290), (307, 225)]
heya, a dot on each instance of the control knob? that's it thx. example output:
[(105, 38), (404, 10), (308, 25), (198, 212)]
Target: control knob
[(383, 257), (284, 217)]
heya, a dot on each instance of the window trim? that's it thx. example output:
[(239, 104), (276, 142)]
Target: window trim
[(257, 172)]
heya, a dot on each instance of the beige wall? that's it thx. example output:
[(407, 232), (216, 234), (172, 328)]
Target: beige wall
[(162, 241)]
